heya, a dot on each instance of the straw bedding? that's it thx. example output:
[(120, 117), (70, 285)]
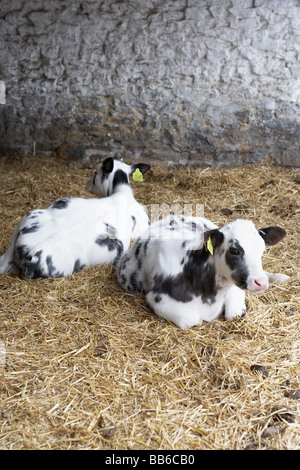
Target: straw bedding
[(85, 365)]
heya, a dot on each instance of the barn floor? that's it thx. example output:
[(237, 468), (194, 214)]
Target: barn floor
[(84, 365)]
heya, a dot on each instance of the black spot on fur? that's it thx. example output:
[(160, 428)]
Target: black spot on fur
[(33, 228), (174, 286), (138, 249), (146, 246), (202, 275), (196, 279), (234, 257), (50, 265), (33, 214), (125, 260), (120, 177), (110, 232), (52, 271), (111, 245), (20, 254), (77, 266), (134, 283), (135, 286), (140, 263), (31, 267), (60, 204)]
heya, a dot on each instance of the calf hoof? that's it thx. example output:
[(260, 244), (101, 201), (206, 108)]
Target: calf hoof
[(233, 313), (278, 278)]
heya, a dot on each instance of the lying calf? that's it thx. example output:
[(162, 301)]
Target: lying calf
[(75, 232), (191, 270)]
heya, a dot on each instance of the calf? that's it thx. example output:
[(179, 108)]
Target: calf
[(75, 232), (191, 270)]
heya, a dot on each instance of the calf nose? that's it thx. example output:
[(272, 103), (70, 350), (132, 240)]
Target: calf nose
[(260, 284)]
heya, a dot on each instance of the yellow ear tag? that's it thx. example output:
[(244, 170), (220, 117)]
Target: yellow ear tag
[(137, 175), (209, 246)]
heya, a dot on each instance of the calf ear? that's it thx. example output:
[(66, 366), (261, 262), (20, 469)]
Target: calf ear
[(215, 236), (108, 165), (143, 167), (272, 235)]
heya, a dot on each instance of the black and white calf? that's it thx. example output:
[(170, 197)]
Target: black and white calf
[(191, 270), (76, 232)]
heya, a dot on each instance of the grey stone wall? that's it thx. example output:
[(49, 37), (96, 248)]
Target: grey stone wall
[(189, 81)]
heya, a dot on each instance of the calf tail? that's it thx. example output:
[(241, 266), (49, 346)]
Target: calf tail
[(6, 263)]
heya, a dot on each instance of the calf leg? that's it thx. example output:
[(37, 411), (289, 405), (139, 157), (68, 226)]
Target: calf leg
[(277, 277), (183, 316), (234, 303)]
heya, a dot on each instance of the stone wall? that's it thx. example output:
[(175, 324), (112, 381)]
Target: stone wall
[(189, 81)]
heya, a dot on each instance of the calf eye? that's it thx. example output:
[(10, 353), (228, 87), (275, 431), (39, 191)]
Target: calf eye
[(234, 251)]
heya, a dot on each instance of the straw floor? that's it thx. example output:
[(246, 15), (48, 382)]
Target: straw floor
[(84, 365)]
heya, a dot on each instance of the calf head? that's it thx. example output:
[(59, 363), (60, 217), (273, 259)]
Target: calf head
[(111, 173), (237, 251)]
